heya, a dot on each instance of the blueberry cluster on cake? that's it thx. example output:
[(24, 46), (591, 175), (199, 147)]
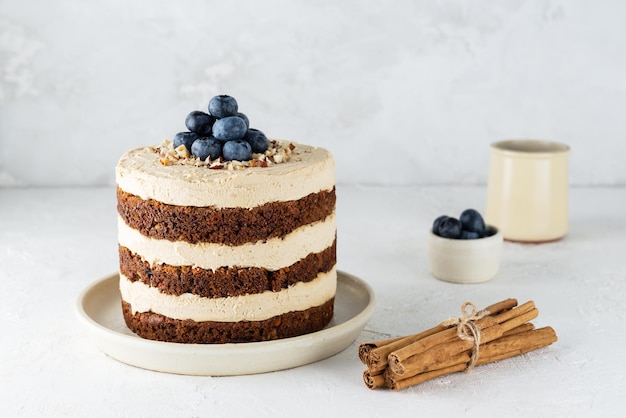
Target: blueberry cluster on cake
[(225, 235)]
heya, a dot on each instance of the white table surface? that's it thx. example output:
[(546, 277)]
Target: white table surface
[(55, 242)]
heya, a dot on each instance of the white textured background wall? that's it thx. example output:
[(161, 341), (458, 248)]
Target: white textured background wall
[(401, 92)]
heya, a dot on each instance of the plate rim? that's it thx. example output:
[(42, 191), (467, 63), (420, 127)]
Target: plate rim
[(354, 324)]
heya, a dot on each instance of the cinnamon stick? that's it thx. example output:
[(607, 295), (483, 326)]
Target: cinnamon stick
[(405, 351), (419, 361), (420, 378), (373, 380), (519, 342), (500, 331), (501, 306), (528, 326), (517, 311), (494, 332), (374, 354), (502, 348), (377, 358), (366, 348), (513, 345)]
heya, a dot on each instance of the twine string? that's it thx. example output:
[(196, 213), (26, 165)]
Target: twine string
[(467, 329)]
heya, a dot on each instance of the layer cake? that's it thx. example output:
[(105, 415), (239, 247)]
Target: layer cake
[(241, 252)]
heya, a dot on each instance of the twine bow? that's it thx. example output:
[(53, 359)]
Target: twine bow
[(466, 329)]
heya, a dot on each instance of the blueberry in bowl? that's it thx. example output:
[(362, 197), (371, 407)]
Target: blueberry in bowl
[(472, 221), (469, 225), (464, 249), (449, 228)]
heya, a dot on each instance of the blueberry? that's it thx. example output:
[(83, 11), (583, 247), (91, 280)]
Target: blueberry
[(222, 106), (185, 138), (437, 222), (450, 228), (199, 122), (469, 234), (229, 128), (489, 231), (472, 221), (206, 147), (237, 149), (245, 119), (257, 139)]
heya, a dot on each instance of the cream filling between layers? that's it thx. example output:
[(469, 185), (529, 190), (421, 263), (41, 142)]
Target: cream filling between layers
[(255, 307), (310, 170), (273, 254)]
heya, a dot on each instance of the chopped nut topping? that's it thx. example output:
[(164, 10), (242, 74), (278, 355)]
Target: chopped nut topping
[(276, 153), (182, 152)]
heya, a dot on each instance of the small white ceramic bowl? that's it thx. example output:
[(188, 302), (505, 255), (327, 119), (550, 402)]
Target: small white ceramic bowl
[(465, 260)]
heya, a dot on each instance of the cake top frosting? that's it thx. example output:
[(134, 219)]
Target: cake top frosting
[(185, 182)]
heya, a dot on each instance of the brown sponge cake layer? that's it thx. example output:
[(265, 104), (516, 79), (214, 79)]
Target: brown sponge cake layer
[(229, 226), (158, 327), (225, 281)]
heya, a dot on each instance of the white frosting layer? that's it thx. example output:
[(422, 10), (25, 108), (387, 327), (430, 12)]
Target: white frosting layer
[(272, 254), (311, 170), (256, 307)]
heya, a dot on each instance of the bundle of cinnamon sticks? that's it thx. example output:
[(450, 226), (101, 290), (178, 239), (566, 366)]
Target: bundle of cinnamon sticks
[(499, 331)]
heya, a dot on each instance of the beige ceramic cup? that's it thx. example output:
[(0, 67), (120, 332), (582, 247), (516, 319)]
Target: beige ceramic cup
[(527, 190)]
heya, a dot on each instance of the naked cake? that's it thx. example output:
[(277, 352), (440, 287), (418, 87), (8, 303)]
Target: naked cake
[(218, 249)]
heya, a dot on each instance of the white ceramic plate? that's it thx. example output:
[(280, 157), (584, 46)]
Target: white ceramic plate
[(99, 309)]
